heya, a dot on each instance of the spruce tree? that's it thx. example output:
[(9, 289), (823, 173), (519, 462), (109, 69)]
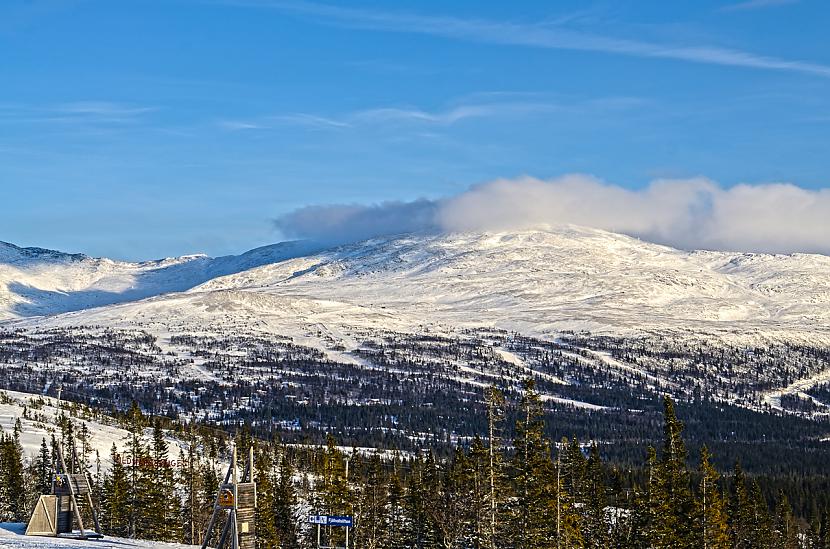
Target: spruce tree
[(137, 457), (395, 512), (672, 501), (372, 529), (498, 487), (285, 501), (595, 528), (266, 524), (785, 529), (43, 469), (713, 531), (541, 513), (115, 512), (164, 506)]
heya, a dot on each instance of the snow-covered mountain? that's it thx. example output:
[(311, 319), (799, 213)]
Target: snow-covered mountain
[(538, 282), (36, 281)]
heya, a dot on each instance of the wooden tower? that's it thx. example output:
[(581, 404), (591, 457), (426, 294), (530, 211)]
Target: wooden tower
[(59, 513), (236, 501)]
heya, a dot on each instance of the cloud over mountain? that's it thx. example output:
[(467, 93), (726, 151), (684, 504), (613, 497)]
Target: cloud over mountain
[(685, 213)]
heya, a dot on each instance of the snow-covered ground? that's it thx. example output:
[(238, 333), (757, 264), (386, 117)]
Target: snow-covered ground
[(41, 424), (11, 535), (536, 282), (34, 281)]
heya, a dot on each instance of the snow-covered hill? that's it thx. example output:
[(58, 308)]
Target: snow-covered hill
[(537, 282), (35, 281)]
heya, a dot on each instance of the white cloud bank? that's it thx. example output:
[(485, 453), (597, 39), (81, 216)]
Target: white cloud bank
[(693, 213)]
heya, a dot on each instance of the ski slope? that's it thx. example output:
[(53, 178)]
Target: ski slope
[(11, 536)]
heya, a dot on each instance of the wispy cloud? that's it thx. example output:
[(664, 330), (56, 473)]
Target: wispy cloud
[(396, 115), (93, 112), (756, 4), (543, 35), (686, 213)]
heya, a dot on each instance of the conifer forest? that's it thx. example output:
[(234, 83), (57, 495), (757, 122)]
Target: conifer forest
[(522, 491)]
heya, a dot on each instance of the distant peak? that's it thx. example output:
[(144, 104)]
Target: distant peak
[(11, 251)]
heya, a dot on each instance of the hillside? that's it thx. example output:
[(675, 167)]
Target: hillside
[(537, 282), (36, 281)]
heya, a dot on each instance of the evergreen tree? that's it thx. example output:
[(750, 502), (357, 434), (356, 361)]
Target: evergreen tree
[(785, 530), (209, 488), (137, 458), (373, 519), (713, 531), (595, 528), (672, 501), (43, 469), (480, 496), (540, 514), (12, 480), (266, 524), (163, 504), (418, 529), (497, 481), (115, 512), (395, 512), (285, 501)]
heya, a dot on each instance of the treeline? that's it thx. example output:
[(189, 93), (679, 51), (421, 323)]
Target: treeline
[(526, 492), (411, 391)]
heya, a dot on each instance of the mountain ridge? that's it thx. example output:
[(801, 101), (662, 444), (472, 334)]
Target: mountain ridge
[(538, 281)]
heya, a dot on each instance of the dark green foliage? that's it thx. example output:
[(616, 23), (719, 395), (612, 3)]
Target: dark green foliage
[(12, 479), (520, 494)]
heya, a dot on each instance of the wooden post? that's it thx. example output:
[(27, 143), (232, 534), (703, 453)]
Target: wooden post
[(235, 544), (88, 494), (212, 522), (73, 501)]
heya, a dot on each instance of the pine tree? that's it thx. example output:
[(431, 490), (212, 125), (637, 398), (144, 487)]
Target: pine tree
[(418, 529), (285, 501), (480, 494), (541, 512), (741, 523), (163, 504), (12, 480), (333, 494), (137, 457), (267, 536), (785, 530), (762, 525), (672, 501), (115, 513), (595, 528), (43, 469), (373, 526), (209, 488), (713, 531), (395, 512), (497, 485)]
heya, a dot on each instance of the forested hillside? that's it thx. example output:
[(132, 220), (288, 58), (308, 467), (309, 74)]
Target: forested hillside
[(520, 491)]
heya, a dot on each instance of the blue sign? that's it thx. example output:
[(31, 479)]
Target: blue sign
[(327, 520), (340, 521)]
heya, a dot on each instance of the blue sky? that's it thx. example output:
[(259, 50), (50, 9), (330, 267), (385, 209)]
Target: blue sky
[(138, 129)]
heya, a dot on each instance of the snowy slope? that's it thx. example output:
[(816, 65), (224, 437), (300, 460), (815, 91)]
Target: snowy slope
[(537, 282), (42, 424), (11, 536), (35, 281)]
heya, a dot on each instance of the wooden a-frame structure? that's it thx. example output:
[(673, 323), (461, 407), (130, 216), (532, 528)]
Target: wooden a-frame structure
[(236, 500), (59, 513)]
